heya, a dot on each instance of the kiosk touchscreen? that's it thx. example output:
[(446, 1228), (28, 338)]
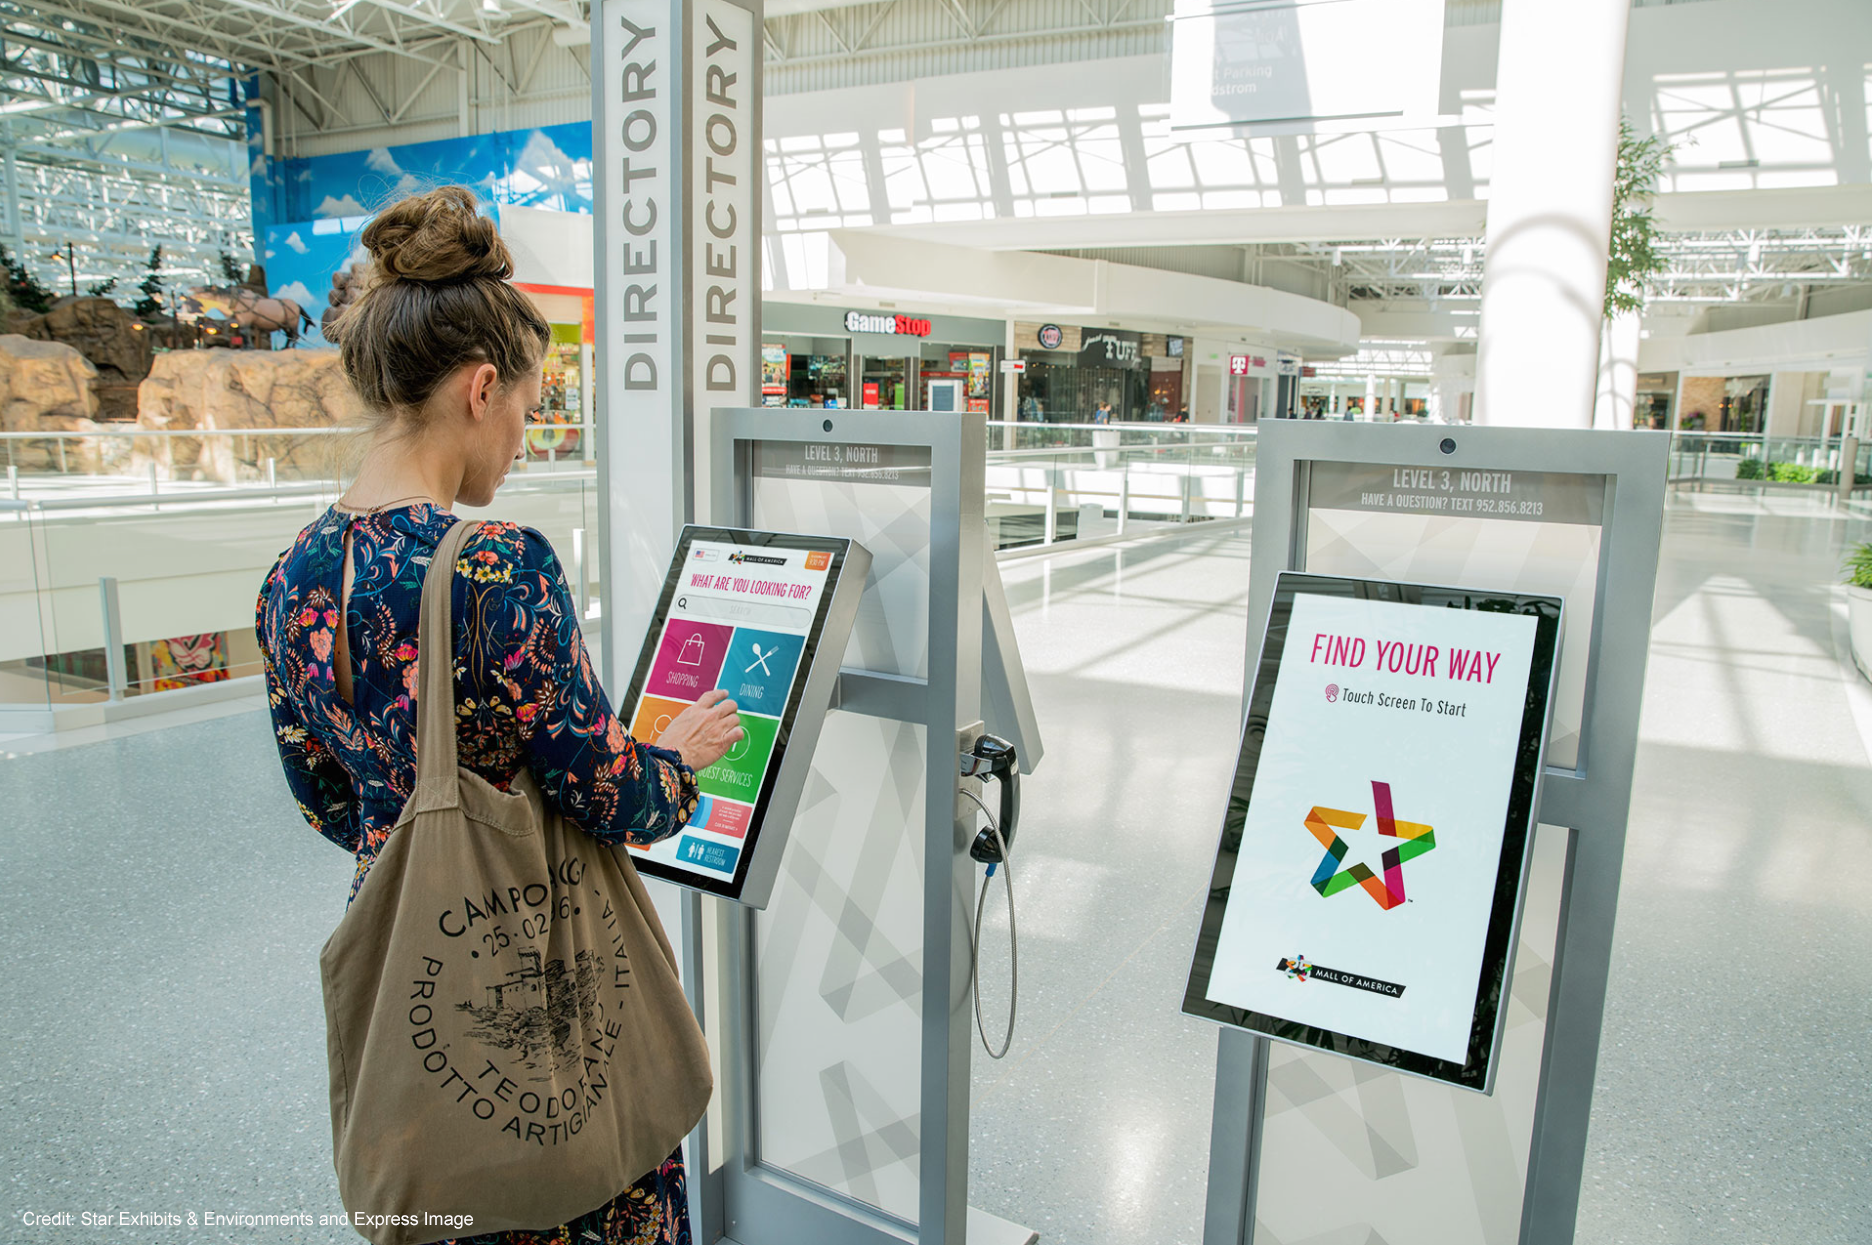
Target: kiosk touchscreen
[(1371, 868), (764, 616)]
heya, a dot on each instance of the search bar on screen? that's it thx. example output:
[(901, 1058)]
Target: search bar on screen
[(728, 610)]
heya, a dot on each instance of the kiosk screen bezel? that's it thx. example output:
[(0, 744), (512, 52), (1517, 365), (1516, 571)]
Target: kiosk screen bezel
[(1520, 822), (837, 549)]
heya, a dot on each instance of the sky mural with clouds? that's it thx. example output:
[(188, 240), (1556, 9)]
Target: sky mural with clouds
[(308, 211)]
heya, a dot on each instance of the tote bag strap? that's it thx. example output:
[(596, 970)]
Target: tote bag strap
[(436, 685)]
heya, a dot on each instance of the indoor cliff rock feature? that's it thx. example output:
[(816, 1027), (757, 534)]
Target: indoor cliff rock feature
[(220, 389)]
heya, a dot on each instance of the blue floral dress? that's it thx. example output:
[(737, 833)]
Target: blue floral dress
[(525, 695)]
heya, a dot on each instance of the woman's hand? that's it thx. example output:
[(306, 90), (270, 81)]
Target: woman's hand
[(705, 730)]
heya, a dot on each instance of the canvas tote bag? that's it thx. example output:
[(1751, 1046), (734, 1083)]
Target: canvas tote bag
[(505, 1029)]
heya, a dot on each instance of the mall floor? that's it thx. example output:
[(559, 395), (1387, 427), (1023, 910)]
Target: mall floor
[(164, 906)]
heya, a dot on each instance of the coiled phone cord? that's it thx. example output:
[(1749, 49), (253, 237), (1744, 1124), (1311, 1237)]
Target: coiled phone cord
[(977, 933)]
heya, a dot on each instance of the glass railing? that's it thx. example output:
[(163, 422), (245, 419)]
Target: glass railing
[(1048, 483), (1757, 461), (130, 559), (118, 584)]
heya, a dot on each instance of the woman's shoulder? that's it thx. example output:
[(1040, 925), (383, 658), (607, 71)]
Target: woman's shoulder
[(295, 565), (499, 550)]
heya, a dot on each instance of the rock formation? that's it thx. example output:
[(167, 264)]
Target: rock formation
[(48, 387), (222, 389), (107, 335)]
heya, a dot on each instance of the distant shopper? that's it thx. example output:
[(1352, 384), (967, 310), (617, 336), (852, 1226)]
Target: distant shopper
[(1183, 416), (1029, 409), (1103, 413), (446, 355)]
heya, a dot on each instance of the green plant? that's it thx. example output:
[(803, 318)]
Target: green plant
[(1632, 254), (151, 287), (1793, 473), (1829, 476), (1858, 565), (101, 289), (233, 271), (1750, 469), (25, 291)]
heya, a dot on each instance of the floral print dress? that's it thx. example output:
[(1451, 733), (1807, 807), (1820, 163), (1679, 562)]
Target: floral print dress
[(525, 695)]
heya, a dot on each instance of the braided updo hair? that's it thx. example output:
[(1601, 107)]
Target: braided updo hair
[(434, 296)]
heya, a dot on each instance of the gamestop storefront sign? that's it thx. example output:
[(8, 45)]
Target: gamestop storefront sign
[(869, 322)]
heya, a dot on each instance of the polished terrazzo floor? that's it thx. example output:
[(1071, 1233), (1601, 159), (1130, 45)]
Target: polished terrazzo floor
[(163, 907)]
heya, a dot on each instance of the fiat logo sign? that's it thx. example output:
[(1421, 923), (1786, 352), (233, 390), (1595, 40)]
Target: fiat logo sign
[(1050, 336)]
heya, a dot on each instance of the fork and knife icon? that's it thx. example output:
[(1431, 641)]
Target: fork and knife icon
[(762, 659)]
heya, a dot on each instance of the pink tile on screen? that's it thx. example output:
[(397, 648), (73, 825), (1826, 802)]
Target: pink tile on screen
[(728, 818), (689, 657)]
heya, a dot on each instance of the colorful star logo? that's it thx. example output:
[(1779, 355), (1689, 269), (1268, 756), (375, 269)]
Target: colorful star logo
[(1329, 878), (1298, 968)]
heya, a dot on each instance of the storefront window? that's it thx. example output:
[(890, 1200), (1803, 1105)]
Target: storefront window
[(802, 371), (1138, 376), (956, 378), (1067, 393), (562, 395)]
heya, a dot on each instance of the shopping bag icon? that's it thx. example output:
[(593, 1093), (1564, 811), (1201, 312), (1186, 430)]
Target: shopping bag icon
[(692, 652)]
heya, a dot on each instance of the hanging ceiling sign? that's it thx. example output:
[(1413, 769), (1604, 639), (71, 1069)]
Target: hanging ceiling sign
[(879, 322), (1305, 63)]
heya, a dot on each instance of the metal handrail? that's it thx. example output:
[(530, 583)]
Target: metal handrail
[(328, 430), (117, 501)]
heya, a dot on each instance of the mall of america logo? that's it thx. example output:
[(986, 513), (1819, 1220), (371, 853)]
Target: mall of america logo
[(1303, 971), (1391, 889)]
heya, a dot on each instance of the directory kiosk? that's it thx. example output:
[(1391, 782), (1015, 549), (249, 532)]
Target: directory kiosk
[(764, 616)]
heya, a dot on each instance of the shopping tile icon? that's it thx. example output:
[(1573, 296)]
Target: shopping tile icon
[(689, 658)]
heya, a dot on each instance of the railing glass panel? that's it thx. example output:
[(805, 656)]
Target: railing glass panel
[(186, 524)]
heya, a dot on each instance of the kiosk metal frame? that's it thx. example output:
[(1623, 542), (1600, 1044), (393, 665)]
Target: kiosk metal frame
[(1591, 801), (735, 1192)]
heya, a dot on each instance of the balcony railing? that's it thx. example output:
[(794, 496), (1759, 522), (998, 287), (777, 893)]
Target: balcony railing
[(130, 559)]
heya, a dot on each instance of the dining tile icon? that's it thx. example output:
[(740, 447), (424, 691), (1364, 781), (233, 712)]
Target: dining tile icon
[(1388, 891), (760, 669)]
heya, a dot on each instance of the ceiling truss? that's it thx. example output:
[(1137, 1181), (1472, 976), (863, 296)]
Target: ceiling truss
[(1717, 267)]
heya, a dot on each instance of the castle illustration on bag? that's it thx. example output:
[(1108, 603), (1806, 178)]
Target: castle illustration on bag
[(538, 1012)]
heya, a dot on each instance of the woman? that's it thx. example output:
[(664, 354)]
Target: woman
[(447, 357)]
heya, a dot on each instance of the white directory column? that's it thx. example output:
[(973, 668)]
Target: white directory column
[(1547, 219), (677, 107)]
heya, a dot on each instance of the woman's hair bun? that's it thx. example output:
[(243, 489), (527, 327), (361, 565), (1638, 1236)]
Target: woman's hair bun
[(437, 238)]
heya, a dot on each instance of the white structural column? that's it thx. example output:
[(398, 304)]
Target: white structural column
[(1547, 219), (1618, 373), (1367, 399)]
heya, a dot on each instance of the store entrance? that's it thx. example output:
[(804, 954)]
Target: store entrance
[(1071, 394), (882, 383)]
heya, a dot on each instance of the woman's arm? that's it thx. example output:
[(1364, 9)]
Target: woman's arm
[(319, 784), (524, 667)]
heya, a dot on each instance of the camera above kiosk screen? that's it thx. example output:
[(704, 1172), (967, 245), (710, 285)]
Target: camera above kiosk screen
[(743, 612)]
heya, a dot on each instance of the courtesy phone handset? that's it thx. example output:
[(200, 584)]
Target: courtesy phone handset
[(993, 757)]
